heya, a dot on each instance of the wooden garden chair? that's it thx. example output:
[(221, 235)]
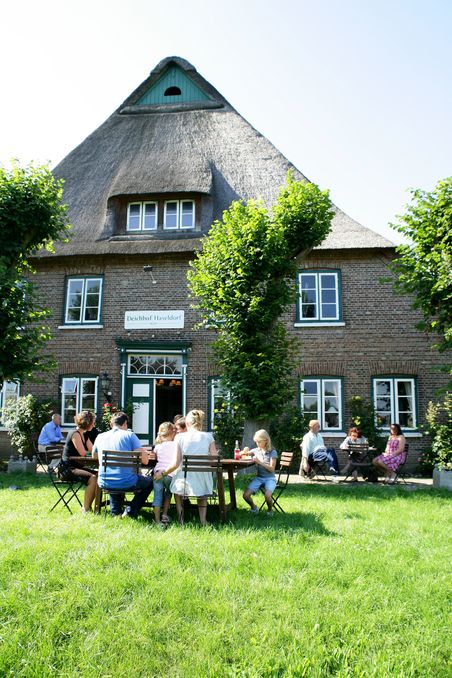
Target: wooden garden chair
[(119, 459), (281, 482), (204, 463)]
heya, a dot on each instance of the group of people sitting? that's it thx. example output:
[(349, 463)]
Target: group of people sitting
[(314, 451), (182, 436), (185, 436)]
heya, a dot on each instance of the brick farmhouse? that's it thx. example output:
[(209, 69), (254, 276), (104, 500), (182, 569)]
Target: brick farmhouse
[(142, 190)]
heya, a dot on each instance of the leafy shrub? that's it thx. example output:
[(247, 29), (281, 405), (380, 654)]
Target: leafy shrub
[(427, 460), (439, 419), (108, 409), (287, 431), (228, 427), (363, 416), (25, 416)]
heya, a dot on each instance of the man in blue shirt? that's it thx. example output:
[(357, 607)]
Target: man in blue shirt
[(50, 433), (120, 438)]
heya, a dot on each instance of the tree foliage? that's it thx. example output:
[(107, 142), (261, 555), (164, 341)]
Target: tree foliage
[(25, 416), (244, 279), (439, 419), (424, 265), (31, 217), (364, 417)]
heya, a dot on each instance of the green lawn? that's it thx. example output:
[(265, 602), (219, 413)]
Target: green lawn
[(352, 581)]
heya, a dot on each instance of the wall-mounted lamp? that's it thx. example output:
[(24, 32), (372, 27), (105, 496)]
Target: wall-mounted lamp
[(105, 382), (148, 269)]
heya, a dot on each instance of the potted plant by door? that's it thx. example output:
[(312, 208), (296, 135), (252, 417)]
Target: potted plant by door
[(439, 418)]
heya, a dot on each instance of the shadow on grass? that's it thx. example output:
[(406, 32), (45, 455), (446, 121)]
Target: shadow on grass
[(24, 481)]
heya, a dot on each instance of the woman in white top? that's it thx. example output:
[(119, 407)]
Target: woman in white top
[(199, 485)]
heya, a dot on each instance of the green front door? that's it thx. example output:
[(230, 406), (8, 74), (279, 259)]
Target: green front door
[(141, 393)]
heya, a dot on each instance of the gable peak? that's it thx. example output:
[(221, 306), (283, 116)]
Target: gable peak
[(173, 85)]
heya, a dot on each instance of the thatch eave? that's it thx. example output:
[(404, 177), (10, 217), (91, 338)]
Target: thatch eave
[(156, 109)]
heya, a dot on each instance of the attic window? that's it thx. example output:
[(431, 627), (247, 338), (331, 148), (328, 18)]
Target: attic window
[(172, 92)]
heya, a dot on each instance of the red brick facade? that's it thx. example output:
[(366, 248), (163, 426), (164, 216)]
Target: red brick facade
[(378, 336)]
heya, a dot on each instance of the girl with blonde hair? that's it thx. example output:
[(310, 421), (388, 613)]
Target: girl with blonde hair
[(265, 459), (165, 450)]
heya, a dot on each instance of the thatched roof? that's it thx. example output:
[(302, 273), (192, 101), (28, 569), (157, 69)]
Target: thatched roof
[(202, 147)]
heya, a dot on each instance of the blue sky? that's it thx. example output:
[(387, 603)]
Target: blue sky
[(357, 94)]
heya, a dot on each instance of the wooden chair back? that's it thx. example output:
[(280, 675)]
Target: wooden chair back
[(204, 463), (121, 459), (285, 462), (201, 463)]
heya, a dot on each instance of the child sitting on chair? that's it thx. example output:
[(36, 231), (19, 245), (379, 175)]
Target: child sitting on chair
[(165, 450), (265, 459)]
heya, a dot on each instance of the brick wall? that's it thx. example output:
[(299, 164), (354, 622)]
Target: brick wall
[(379, 336)]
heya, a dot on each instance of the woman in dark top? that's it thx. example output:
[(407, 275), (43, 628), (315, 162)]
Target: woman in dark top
[(77, 446)]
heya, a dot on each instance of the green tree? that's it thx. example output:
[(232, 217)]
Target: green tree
[(424, 265), (364, 417), (25, 416), (243, 279), (31, 216)]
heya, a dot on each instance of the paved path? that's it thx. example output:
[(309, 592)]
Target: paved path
[(412, 483)]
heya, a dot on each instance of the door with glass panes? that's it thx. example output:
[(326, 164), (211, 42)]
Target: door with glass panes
[(155, 388)]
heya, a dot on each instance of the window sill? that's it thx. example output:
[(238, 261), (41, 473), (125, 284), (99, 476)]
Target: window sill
[(384, 434), (321, 324), (80, 327), (407, 434)]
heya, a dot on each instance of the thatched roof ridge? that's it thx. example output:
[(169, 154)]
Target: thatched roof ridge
[(211, 151)]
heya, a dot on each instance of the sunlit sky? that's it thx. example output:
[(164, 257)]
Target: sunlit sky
[(356, 93)]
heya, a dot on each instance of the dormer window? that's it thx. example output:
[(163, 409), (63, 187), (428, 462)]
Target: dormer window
[(141, 216), (179, 214), (155, 215)]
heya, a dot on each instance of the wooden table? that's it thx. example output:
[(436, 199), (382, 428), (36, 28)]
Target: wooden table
[(365, 454), (232, 466)]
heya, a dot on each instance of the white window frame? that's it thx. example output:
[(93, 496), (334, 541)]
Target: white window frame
[(318, 275), (142, 226), (179, 204), (393, 395), (5, 392), (79, 405), (216, 390), (321, 381), (84, 281)]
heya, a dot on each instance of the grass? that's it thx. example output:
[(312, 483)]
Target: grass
[(352, 581)]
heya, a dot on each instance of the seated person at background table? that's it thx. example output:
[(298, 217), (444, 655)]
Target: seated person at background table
[(165, 449), (76, 446), (394, 454), (50, 433), (264, 457), (122, 439), (92, 434), (313, 449), (180, 424), (354, 437), (199, 485)]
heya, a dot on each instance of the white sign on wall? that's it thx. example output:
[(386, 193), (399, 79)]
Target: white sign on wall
[(146, 320)]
